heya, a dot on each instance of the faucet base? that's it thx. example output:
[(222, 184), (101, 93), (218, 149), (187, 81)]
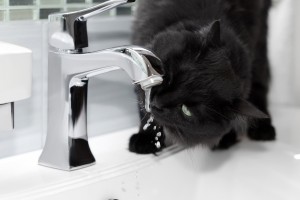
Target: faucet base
[(65, 169), (80, 153), (77, 156)]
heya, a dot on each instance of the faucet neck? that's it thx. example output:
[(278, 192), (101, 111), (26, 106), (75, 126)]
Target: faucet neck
[(68, 75)]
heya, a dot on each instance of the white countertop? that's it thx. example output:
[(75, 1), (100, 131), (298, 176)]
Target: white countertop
[(249, 167)]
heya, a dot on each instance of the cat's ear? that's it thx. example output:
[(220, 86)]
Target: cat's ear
[(214, 34), (245, 108)]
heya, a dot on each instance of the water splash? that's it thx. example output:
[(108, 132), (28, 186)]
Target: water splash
[(150, 120)]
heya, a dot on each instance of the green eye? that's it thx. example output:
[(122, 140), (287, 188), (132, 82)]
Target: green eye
[(186, 111)]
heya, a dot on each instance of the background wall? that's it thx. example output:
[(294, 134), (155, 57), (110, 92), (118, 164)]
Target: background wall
[(296, 52), (11, 10), (284, 46)]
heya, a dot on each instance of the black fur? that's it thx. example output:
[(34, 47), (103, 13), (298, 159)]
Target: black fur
[(146, 140), (214, 55)]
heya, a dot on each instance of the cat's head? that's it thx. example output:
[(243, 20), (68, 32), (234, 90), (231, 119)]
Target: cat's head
[(201, 96)]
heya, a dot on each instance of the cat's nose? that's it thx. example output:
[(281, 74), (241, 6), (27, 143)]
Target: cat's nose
[(156, 105)]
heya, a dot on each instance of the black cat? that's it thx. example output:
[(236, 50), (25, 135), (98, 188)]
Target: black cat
[(216, 72)]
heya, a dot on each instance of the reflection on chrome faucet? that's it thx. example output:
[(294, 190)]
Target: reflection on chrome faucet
[(70, 67)]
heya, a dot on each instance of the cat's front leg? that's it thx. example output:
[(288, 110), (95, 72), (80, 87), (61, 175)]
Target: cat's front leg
[(227, 141), (150, 139), (262, 130)]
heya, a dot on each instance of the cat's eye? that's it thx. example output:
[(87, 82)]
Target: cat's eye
[(185, 110)]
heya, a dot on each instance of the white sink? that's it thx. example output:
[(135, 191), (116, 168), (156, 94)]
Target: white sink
[(15, 70), (248, 171), (15, 81)]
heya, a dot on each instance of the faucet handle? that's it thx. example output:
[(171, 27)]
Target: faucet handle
[(100, 8), (68, 31)]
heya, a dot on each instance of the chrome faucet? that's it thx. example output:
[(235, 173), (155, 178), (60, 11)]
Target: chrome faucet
[(71, 65)]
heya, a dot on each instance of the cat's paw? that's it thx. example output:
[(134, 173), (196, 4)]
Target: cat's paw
[(262, 131), (227, 141), (147, 142)]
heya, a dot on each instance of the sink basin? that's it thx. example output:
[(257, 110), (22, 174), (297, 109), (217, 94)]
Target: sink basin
[(15, 70), (250, 170)]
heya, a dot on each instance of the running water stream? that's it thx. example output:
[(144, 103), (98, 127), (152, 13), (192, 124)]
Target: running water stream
[(147, 99)]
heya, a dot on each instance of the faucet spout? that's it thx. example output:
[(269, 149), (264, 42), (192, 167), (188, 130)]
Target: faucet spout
[(66, 144)]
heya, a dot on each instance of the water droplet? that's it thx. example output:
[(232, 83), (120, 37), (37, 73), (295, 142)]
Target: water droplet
[(148, 123), (150, 119)]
